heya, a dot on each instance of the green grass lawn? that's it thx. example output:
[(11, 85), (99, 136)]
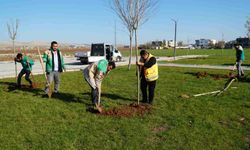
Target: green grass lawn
[(216, 57), (28, 121), (180, 52)]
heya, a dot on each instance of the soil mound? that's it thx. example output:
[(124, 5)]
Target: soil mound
[(128, 110)]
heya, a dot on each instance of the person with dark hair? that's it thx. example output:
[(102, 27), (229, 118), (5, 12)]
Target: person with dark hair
[(54, 63), (27, 64), (94, 74), (108, 54), (149, 75), (240, 56)]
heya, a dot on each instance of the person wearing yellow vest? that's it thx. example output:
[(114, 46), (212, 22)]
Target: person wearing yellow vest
[(149, 75)]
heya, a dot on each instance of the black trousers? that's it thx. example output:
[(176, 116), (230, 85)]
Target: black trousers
[(151, 89), (27, 77), (94, 94)]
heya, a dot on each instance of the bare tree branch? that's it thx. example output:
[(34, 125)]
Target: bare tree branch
[(12, 30), (247, 25), (134, 13)]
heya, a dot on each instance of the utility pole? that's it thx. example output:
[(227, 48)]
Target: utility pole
[(115, 35), (222, 42), (175, 33)]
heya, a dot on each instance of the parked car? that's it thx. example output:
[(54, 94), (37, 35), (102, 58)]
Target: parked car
[(99, 51)]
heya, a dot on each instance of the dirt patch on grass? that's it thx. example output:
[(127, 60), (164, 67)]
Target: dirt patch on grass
[(25, 87), (215, 76), (247, 138), (131, 110), (160, 129), (34, 86), (201, 74)]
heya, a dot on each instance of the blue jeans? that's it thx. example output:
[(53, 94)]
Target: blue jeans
[(27, 76)]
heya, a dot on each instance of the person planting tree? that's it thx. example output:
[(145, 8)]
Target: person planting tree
[(94, 74), (149, 75), (26, 70)]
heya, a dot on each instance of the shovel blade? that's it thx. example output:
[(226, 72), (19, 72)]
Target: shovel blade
[(98, 108)]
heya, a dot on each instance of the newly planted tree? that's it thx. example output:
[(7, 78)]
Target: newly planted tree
[(133, 14), (12, 30), (124, 10), (142, 10)]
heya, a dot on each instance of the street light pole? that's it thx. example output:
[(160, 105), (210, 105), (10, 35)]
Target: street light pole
[(175, 33), (115, 35)]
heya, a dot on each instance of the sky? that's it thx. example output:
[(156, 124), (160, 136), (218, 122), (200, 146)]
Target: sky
[(91, 21)]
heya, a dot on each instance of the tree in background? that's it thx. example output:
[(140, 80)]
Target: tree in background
[(220, 45), (180, 43), (211, 45), (247, 25), (12, 30)]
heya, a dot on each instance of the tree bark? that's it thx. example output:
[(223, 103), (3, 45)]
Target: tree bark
[(14, 50), (131, 48), (137, 68)]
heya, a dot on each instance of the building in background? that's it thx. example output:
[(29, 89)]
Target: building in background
[(157, 45), (205, 43)]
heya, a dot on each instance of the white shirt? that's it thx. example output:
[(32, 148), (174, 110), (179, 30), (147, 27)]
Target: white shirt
[(55, 61)]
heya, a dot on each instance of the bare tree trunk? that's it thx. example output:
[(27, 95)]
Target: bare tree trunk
[(14, 50), (138, 69), (12, 30), (131, 48)]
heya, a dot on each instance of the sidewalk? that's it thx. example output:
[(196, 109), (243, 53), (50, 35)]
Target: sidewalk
[(71, 64)]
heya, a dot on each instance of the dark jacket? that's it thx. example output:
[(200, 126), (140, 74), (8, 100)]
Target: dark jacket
[(148, 64)]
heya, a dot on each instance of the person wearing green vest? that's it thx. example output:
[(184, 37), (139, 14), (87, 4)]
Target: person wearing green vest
[(149, 75), (27, 64), (54, 64), (240, 57), (94, 74)]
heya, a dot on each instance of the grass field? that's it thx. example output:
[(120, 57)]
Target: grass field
[(29, 121), (170, 52), (216, 57)]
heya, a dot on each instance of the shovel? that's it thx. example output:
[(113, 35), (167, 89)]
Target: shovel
[(47, 81)]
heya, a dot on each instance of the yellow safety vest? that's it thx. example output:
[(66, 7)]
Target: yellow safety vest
[(151, 74)]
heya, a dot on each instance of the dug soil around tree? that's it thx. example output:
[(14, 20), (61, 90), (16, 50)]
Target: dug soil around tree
[(131, 110), (215, 76)]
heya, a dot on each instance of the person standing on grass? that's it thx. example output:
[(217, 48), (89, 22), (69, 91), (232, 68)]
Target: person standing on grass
[(54, 63), (94, 74), (27, 64), (149, 75), (240, 56)]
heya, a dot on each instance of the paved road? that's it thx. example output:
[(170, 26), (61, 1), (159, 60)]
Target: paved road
[(7, 68)]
